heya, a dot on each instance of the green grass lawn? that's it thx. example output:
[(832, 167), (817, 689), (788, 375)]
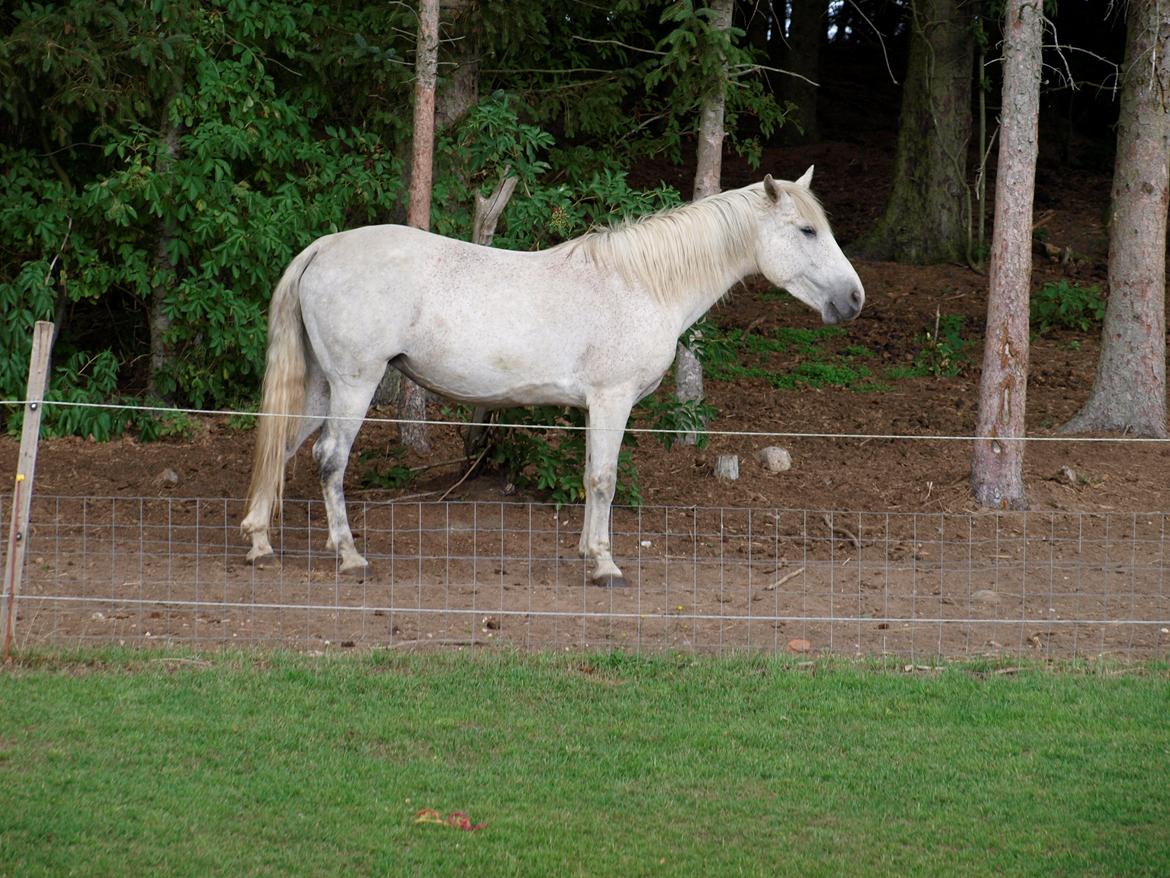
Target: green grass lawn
[(115, 763)]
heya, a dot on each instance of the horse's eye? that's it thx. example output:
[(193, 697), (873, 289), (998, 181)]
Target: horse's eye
[(808, 231)]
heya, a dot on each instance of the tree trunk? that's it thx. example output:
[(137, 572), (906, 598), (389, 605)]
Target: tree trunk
[(927, 216), (688, 371), (423, 143), (483, 230), (455, 95), (806, 33), (412, 407), (459, 90), (164, 274), (709, 165), (997, 478), (1129, 392)]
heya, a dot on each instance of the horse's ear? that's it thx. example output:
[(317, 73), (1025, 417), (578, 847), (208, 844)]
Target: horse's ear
[(771, 188), (806, 178)]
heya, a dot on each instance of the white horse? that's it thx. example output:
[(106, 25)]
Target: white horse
[(591, 323)]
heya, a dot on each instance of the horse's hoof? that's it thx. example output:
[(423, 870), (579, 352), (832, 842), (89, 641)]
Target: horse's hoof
[(611, 582), (359, 568), (261, 559)]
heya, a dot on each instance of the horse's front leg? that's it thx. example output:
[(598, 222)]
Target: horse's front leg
[(331, 452), (583, 543), (603, 440)]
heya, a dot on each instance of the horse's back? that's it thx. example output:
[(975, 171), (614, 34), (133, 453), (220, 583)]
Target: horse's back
[(475, 323)]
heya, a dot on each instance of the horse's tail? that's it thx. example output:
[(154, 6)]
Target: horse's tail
[(283, 397)]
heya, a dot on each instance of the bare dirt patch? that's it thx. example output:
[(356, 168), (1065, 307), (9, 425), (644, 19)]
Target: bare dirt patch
[(918, 547)]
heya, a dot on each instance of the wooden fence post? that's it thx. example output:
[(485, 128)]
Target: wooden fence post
[(38, 374)]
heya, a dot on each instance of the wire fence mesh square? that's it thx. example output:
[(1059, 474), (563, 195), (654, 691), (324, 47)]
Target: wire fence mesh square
[(149, 570)]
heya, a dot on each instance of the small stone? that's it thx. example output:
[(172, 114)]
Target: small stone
[(1068, 474), (168, 477), (799, 644), (727, 467), (774, 459), (985, 596)]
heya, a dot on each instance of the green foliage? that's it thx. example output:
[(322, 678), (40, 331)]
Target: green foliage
[(83, 379), (676, 418), (377, 473), (729, 355), (942, 352), (1061, 305), (553, 460), (693, 55), (492, 142), (200, 177), (552, 214), (164, 161), (488, 144), (648, 68)]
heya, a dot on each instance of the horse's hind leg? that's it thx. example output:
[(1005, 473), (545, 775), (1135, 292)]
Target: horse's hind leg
[(316, 407), (347, 408)]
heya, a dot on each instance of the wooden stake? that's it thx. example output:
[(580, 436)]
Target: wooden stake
[(38, 374)]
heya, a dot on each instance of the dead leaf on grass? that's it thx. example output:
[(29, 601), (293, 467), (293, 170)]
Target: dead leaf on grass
[(455, 820)]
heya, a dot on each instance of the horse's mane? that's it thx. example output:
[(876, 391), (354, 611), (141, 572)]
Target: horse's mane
[(688, 248)]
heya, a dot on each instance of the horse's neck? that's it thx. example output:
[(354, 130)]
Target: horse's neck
[(693, 302), (714, 252)]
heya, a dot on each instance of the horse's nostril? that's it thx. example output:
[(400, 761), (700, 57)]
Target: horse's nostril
[(857, 297)]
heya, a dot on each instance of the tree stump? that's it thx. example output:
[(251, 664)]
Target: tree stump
[(727, 467)]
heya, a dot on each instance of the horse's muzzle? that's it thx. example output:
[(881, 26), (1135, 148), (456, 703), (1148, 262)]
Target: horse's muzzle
[(842, 309)]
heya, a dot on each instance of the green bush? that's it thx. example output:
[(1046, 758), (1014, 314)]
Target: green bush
[(378, 473), (676, 418), (553, 460), (1062, 305), (200, 177), (943, 350)]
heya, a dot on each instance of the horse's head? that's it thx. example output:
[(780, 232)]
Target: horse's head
[(796, 251)]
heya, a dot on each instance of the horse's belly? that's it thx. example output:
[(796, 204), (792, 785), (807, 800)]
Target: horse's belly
[(492, 385)]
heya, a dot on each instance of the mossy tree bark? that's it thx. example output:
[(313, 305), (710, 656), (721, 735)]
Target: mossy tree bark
[(927, 217), (805, 35), (1129, 391)]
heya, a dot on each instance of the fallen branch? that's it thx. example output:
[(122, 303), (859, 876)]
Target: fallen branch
[(783, 579)]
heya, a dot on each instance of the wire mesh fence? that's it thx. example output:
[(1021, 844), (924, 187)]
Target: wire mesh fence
[(146, 570)]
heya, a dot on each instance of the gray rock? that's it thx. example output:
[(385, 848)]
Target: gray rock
[(774, 459)]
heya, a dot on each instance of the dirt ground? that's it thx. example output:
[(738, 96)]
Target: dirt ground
[(931, 574)]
